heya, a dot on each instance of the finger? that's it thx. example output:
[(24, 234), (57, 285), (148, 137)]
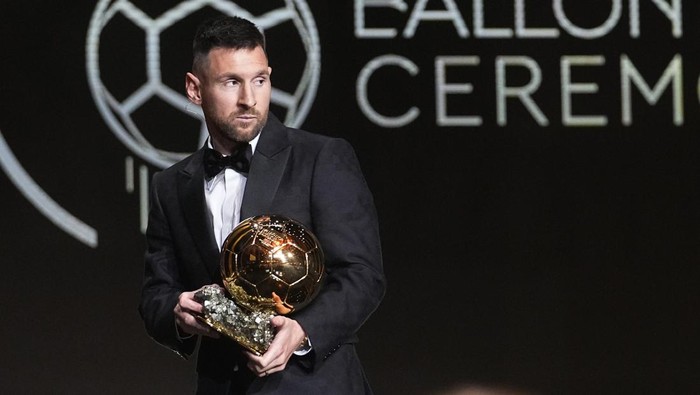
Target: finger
[(278, 321), (269, 372), (190, 324), (269, 358), (188, 303), (255, 358), (255, 368), (185, 315), (260, 365)]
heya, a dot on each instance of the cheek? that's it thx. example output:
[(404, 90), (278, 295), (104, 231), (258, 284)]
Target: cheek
[(219, 103), (265, 96)]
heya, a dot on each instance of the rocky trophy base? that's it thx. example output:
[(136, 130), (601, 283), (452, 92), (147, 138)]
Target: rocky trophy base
[(251, 329)]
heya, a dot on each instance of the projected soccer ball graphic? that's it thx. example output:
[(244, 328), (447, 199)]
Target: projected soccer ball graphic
[(138, 32), (272, 263)]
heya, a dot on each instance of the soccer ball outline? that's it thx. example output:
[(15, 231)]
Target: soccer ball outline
[(118, 115)]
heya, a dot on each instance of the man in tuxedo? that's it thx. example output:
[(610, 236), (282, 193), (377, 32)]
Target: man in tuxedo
[(194, 204)]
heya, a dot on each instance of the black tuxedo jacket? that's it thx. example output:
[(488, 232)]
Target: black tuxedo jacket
[(314, 179)]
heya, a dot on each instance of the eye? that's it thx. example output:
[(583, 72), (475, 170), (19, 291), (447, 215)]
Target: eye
[(259, 81), (230, 83)]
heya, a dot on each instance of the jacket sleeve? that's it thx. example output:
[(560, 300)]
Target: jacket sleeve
[(161, 282), (345, 221)]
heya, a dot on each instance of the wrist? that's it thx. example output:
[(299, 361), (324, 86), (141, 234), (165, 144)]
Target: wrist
[(304, 346)]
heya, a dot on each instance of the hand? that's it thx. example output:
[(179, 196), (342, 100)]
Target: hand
[(185, 310), (288, 336)]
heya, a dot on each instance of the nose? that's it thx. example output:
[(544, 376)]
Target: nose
[(246, 97)]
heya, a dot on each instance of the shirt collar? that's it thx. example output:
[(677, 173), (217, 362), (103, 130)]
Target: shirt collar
[(253, 143), (209, 184)]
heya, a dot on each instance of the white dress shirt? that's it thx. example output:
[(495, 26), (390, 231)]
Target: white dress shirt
[(224, 195)]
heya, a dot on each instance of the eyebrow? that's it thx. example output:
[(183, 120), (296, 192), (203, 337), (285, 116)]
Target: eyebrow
[(237, 76)]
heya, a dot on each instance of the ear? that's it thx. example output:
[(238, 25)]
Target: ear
[(192, 85)]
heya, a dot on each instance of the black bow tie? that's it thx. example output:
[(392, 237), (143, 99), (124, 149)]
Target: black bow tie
[(239, 161)]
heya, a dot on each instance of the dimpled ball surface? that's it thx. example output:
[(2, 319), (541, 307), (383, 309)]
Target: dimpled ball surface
[(272, 262)]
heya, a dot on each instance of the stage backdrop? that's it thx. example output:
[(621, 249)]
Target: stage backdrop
[(534, 164)]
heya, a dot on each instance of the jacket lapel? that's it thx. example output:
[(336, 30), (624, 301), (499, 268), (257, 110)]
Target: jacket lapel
[(266, 169), (191, 193)]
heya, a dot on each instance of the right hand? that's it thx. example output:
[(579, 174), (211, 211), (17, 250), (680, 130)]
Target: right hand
[(185, 311)]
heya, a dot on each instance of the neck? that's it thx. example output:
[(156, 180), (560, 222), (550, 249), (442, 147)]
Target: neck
[(226, 149)]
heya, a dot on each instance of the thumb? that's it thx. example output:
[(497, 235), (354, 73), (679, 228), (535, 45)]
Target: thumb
[(278, 321)]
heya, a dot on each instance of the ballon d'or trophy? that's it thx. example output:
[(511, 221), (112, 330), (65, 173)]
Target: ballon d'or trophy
[(270, 265)]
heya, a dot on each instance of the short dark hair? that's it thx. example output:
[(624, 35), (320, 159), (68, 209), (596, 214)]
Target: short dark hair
[(224, 32)]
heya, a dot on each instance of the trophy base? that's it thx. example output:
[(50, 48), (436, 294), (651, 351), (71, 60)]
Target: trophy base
[(252, 330)]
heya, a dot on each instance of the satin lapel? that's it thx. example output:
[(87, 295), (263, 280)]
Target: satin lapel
[(266, 169), (191, 193)]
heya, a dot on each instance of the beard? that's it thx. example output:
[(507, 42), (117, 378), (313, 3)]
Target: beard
[(235, 131)]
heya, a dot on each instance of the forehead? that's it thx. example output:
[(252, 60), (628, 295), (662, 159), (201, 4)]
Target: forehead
[(229, 60)]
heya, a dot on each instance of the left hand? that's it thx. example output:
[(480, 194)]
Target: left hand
[(288, 336)]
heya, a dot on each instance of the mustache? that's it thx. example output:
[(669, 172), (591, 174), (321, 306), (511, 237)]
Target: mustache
[(248, 112)]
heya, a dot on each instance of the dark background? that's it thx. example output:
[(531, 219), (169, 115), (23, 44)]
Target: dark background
[(552, 259)]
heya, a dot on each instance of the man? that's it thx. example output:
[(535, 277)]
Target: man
[(313, 179)]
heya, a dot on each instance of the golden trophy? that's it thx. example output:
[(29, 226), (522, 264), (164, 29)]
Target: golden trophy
[(270, 265)]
